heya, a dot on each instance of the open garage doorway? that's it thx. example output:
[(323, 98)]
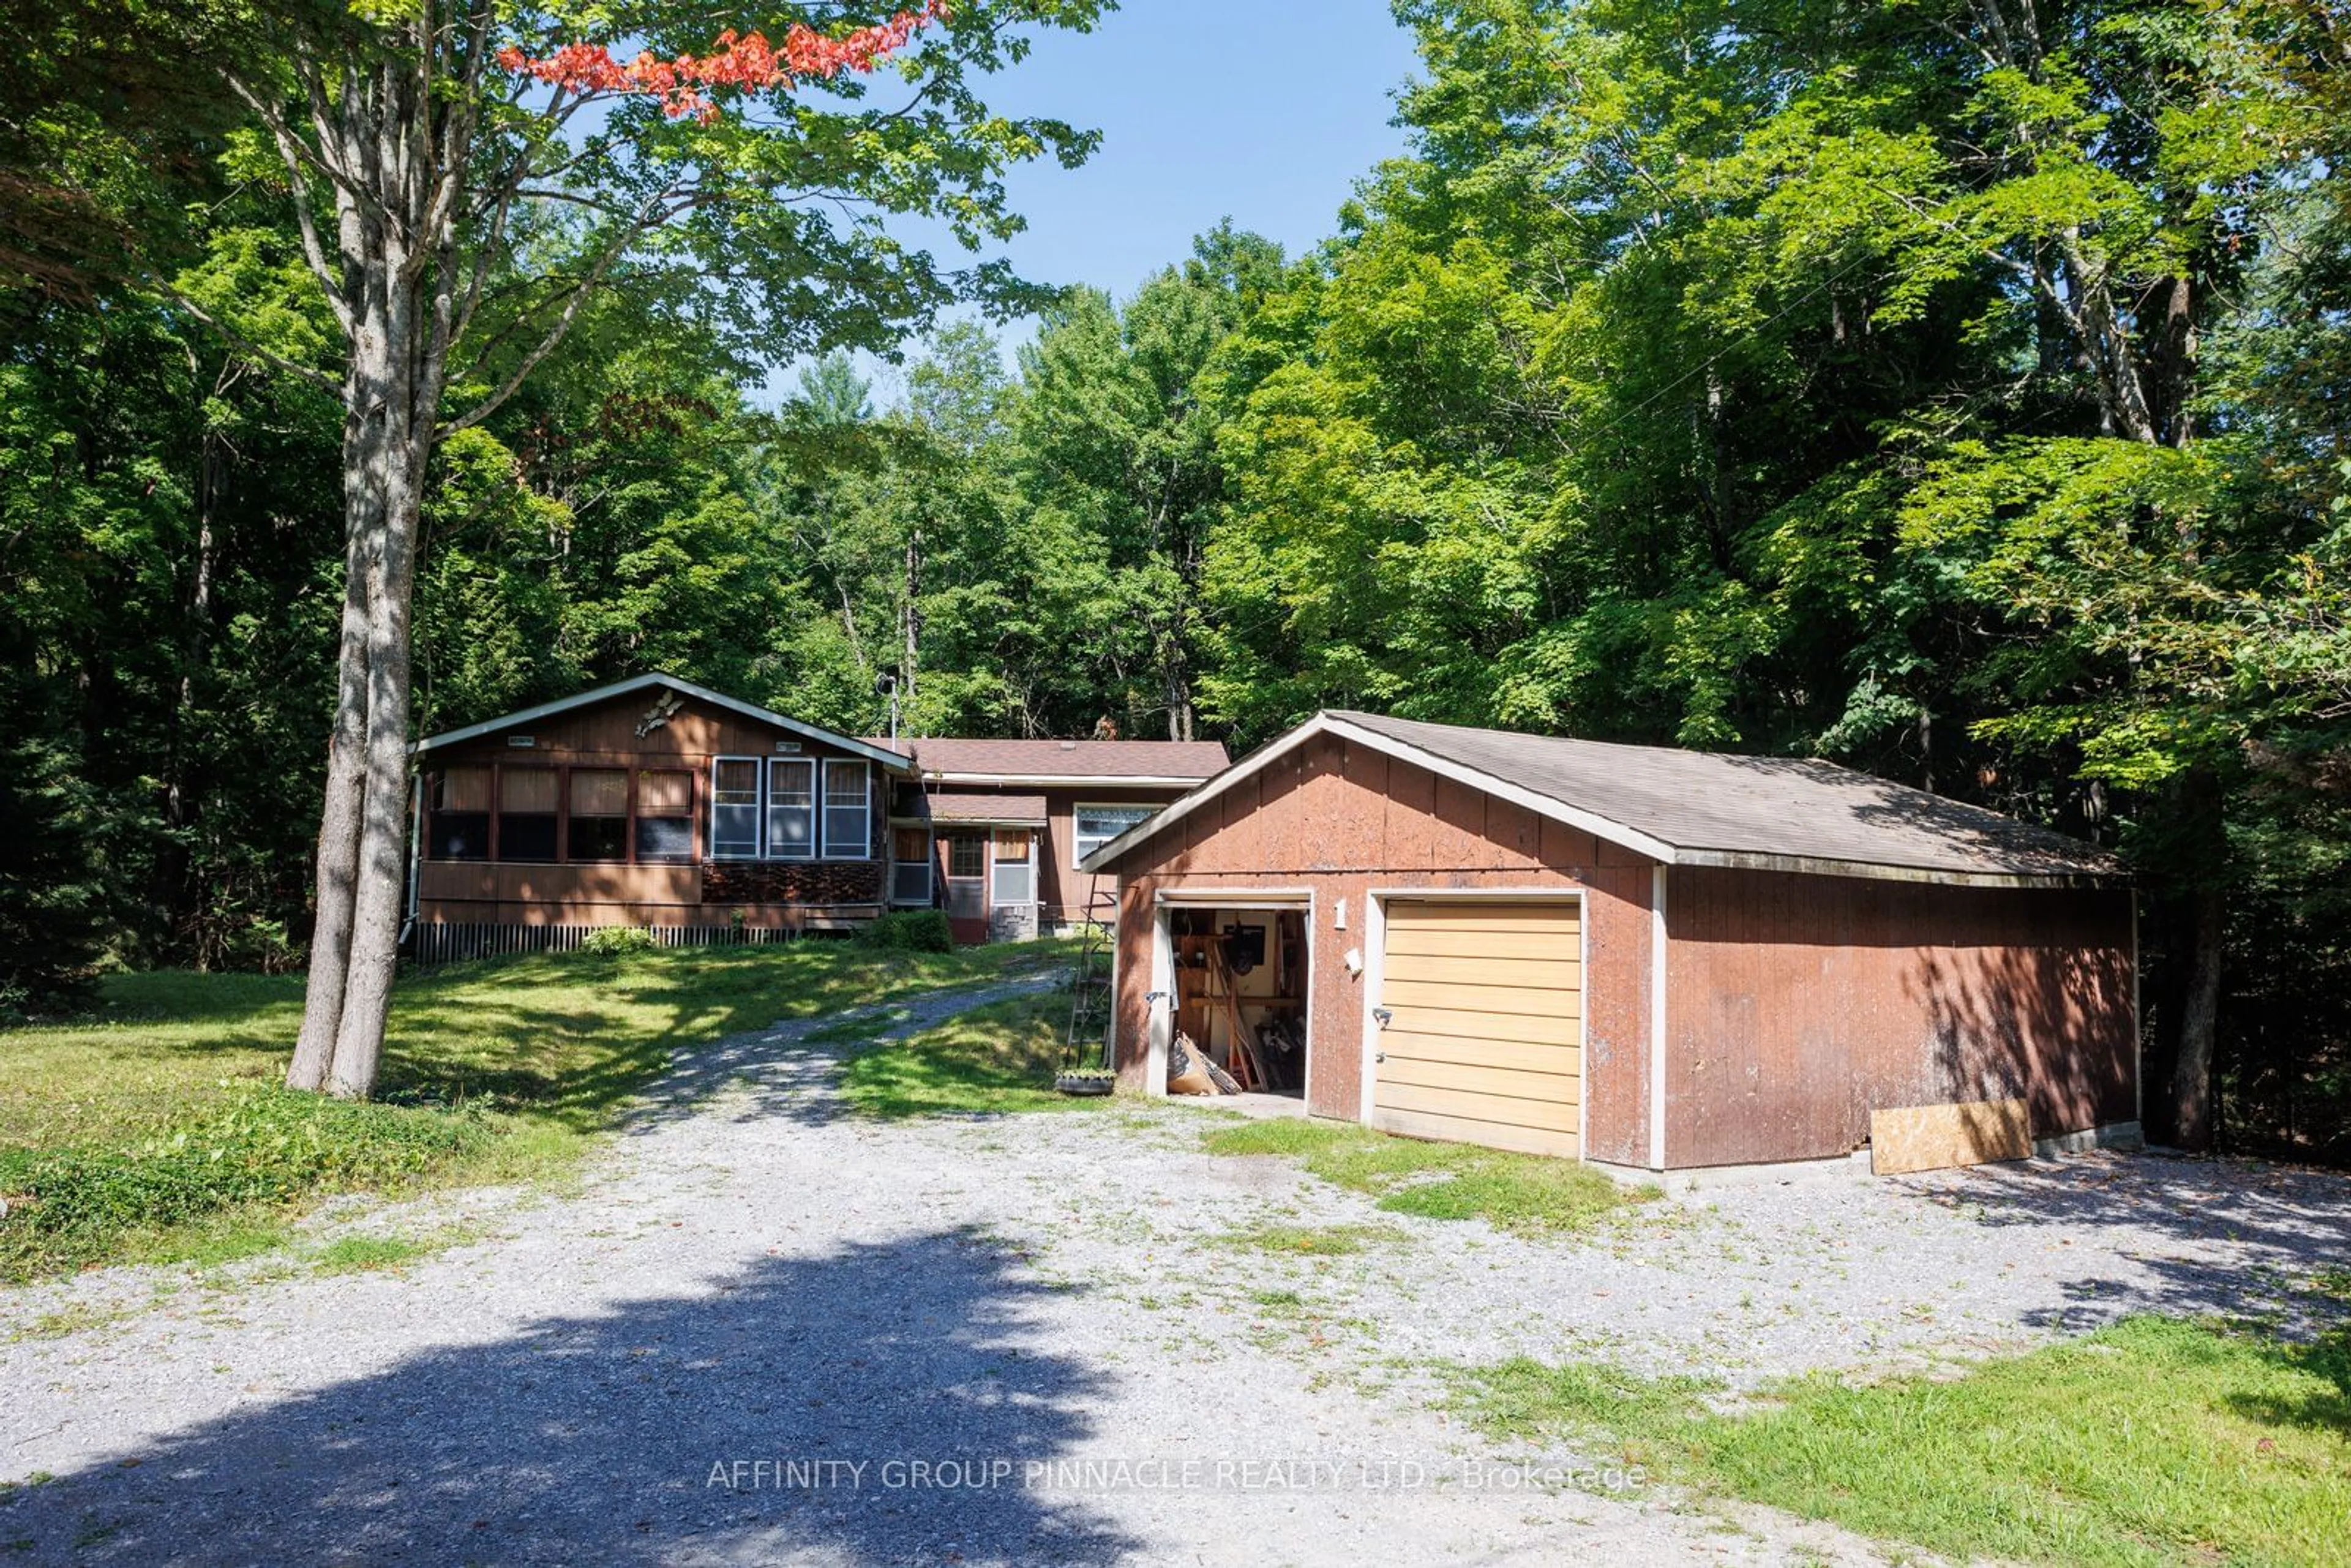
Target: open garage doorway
[(1238, 975)]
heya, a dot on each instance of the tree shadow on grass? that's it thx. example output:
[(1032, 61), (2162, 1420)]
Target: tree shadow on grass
[(618, 1437), (725, 1016), (2327, 1358), (791, 1073)]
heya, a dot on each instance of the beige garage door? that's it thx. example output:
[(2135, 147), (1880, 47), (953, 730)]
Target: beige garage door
[(1484, 1042)]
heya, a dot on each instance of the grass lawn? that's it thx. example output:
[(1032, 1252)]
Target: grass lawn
[(156, 1129), (2156, 1441), (1526, 1194), (1001, 1057), (1310, 1240)]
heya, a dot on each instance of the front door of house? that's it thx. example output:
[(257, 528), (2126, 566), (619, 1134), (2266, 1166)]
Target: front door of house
[(965, 854), (1012, 885)]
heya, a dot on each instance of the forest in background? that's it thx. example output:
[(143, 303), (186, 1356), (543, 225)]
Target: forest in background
[(1953, 389)]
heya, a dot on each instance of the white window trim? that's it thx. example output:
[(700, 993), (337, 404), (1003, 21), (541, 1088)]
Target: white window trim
[(759, 808), (767, 807), (1079, 851), (996, 868), (864, 806)]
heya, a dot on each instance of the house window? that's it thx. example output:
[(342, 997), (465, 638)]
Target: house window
[(848, 811), (527, 800), (910, 872), (461, 815), (735, 809), (600, 814), (966, 855), (791, 809), (664, 816), (1015, 870), (1097, 825)]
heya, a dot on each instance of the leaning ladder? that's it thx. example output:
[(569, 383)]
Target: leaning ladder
[(1089, 999)]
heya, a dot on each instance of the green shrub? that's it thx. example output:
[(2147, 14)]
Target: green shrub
[(268, 1146), (910, 931), (612, 941)]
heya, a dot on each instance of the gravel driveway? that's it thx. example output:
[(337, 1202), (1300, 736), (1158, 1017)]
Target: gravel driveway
[(765, 1331)]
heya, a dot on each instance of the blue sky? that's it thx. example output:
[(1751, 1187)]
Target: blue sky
[(1265, 111), (1268, 111)]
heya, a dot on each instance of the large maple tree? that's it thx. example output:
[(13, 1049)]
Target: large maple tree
[(463, 175)]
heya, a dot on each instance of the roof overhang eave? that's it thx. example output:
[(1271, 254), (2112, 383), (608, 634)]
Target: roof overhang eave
[(891, 760), (1071, 780), (1945, 876), (1601, 827)]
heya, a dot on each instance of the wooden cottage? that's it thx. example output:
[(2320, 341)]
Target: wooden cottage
[(660, 803), (652, 802), (1648, 957)]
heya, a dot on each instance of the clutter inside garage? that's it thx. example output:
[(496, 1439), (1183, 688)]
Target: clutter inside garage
[(1240, 1002)]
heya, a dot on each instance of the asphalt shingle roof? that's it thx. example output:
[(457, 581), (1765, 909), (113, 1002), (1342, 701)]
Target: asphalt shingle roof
[(1776, 809), (1185, 759), (970, 806)]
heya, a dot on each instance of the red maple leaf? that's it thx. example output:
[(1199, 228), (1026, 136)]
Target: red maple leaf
[(746, 62)]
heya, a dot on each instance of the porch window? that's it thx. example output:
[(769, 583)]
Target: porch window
[(735, 809), (461, 815), (1015, 868), (967, 856), (527, 801), (600, 814), (910, 872), (848, 811), (791, 809), (664, 816), (1097, 825)]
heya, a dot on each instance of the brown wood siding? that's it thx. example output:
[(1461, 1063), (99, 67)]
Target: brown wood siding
[(1796, 1005), (619, 892), (606, 734), (1340, 821), (1063, 890), (1061, 887)]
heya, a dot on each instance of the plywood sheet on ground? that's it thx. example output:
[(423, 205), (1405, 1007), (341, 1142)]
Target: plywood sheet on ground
[(1938, 1137)]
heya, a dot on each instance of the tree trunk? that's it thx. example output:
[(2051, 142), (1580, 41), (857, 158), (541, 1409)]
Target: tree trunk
[(2174, 365), (338, 822), (2107, 340), (911, 619), (2204, 847), (2053, 339), (2199, 1024), (399, 462), (399, 312), (379, 907), (1175, 679)]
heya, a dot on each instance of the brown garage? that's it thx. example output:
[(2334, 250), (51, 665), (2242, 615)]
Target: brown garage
[(1632, 955)]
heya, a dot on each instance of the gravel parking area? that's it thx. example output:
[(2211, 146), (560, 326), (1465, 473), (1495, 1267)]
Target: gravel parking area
[(764, 1330)]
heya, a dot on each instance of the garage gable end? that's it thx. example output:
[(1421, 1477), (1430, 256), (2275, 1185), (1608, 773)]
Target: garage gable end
[(1332, 804)]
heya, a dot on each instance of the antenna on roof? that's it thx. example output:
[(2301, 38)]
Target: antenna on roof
[(886, 686)]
